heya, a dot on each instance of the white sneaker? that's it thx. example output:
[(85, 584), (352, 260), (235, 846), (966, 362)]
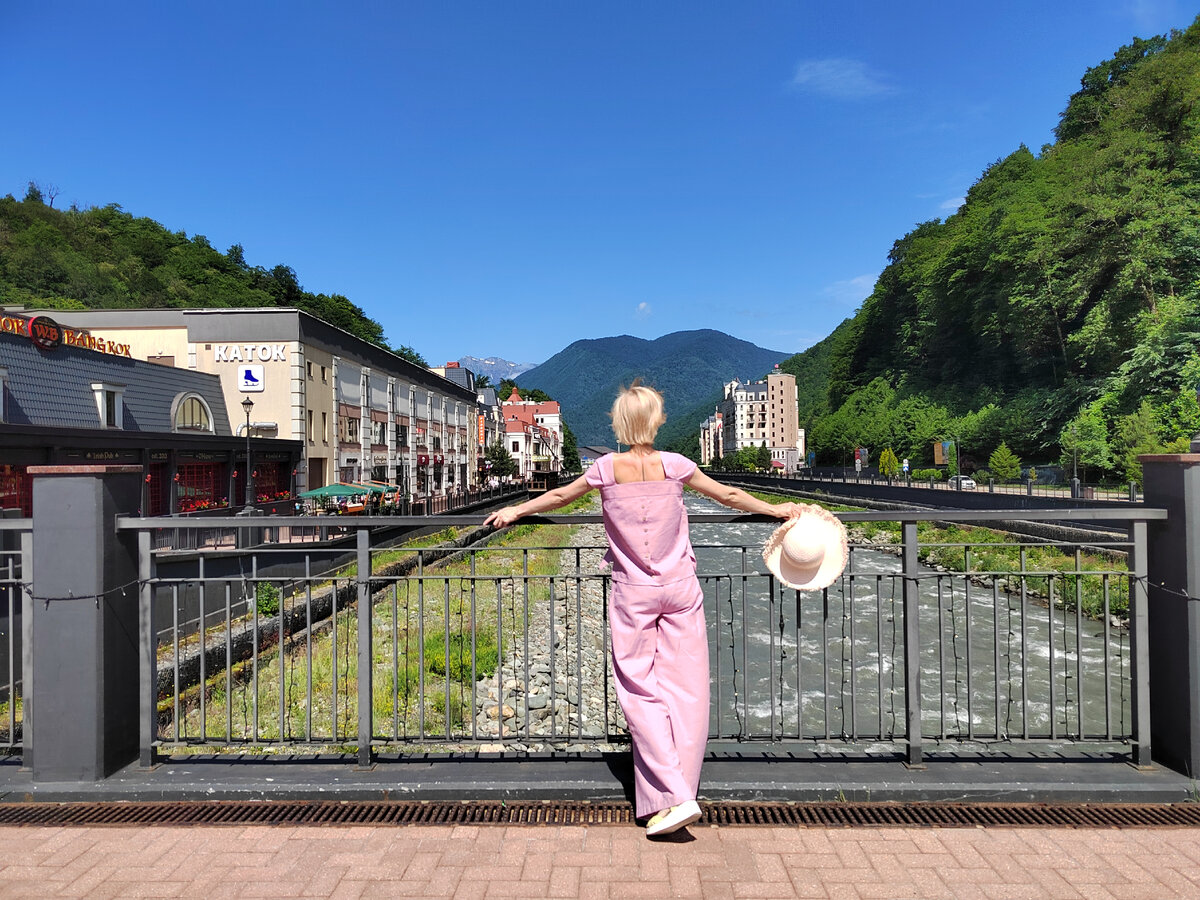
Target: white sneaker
[(684, 814)]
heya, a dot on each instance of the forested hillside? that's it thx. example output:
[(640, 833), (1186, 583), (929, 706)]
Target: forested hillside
[(1058, 310), (106, 258)]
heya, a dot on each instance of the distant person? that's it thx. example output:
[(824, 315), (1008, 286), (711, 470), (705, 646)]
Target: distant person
[(656, 611)]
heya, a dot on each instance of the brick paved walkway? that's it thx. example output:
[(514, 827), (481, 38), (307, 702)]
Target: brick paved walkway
[(597, 862)]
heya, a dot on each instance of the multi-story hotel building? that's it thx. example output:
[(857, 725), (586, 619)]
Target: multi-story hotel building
[(758, 413), (362, 412), (711, 439)]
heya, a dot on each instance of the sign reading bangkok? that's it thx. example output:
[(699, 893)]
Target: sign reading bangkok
[(49, 335), (250, 353)]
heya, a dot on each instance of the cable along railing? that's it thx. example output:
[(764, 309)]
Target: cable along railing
[(501, 646)]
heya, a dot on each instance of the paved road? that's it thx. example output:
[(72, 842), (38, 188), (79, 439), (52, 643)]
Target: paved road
[(472, 862)]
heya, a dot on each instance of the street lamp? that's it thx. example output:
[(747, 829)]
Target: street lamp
[(248, 405)]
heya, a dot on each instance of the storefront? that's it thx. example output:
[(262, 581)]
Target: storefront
[(70, 397), (358, 411)]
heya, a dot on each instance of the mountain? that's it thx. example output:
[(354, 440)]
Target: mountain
[(494, 367), (688, 367), (1058, 310)]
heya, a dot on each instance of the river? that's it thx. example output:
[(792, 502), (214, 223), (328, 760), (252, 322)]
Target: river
[(994, 666)]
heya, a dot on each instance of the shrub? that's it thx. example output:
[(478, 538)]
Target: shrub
[(926, 474), (266, 598), (486, 657)]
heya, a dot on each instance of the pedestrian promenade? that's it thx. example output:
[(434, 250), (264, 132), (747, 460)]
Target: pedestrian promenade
[(597, 861)]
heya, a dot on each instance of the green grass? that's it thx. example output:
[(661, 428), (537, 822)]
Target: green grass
[(412, 620)]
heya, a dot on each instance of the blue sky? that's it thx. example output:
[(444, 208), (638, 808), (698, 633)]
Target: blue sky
[(503, 178)]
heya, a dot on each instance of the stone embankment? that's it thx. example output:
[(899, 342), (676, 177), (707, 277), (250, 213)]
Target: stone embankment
[(559, 695)]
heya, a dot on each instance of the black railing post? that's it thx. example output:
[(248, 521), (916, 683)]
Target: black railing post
[(1139, 644), (363, 577), (86, 666), (147, 652), (1171, 578), (912, 646)]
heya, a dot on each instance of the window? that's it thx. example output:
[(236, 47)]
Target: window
[(110, 403), (191, 414), (325, 427), (401, 435), (516, 446), (352, 429), (311, 421), (379, 433), (324, 376), (308, 365)]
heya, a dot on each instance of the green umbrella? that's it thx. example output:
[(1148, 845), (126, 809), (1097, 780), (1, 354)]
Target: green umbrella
[(337, 489)]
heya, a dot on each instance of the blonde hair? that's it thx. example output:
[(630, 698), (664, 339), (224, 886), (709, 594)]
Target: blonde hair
[(637, 414)]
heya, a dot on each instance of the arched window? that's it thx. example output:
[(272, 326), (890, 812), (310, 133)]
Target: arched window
[(192, 414)]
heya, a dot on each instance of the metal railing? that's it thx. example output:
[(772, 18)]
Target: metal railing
[(1129, 493), (506, 645), (16, 554), (279, 528)]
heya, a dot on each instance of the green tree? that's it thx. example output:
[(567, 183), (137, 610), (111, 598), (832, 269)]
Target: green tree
[(570, 451), (1085, 443), (406, 352), (1137, 433), (1005, 464), (503, 464), (762, 458), (889, 465)]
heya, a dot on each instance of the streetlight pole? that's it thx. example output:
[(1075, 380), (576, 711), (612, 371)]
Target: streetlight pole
[(248, 405), (1074, 462)]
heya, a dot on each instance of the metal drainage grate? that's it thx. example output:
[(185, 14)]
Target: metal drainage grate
[(845, 815)]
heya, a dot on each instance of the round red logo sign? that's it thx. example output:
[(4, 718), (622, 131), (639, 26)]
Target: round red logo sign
[(45, 332)]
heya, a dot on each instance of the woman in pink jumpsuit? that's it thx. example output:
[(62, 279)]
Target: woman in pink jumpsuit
[(656, 609)]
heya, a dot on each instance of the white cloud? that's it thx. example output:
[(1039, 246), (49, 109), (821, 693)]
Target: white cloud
[(643, 311), (953, 204), (852, 291), (842, 79), (1151, 14)]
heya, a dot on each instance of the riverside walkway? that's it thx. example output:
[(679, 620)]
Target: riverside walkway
[(597, 861)]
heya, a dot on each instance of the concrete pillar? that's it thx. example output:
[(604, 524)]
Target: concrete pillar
[(1172, 482), (85, 622)]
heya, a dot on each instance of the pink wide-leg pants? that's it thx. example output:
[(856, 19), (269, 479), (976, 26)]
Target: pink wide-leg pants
[(660, 658)]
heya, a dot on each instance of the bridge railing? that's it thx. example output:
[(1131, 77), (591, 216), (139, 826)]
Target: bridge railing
[(1059, 490), (925, 640)]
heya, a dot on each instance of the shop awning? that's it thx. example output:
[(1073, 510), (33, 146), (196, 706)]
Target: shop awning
[(337, 489)]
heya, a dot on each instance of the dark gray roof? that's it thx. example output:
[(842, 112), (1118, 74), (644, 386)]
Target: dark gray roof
[(460, 376), (54, 388), (594, 451)]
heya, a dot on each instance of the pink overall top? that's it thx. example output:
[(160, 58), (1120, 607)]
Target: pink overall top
[(646, 522)]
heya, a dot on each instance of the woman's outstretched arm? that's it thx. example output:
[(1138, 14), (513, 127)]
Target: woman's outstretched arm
[(560, 496), (735, 498)]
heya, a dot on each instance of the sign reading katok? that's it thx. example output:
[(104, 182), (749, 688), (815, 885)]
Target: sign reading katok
[(250, 353)]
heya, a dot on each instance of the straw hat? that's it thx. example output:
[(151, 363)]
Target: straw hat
[(808, 552)]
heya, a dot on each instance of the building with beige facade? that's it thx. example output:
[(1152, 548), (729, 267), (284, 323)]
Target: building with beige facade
[(711, 439), (758, 413), (362, 412)]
